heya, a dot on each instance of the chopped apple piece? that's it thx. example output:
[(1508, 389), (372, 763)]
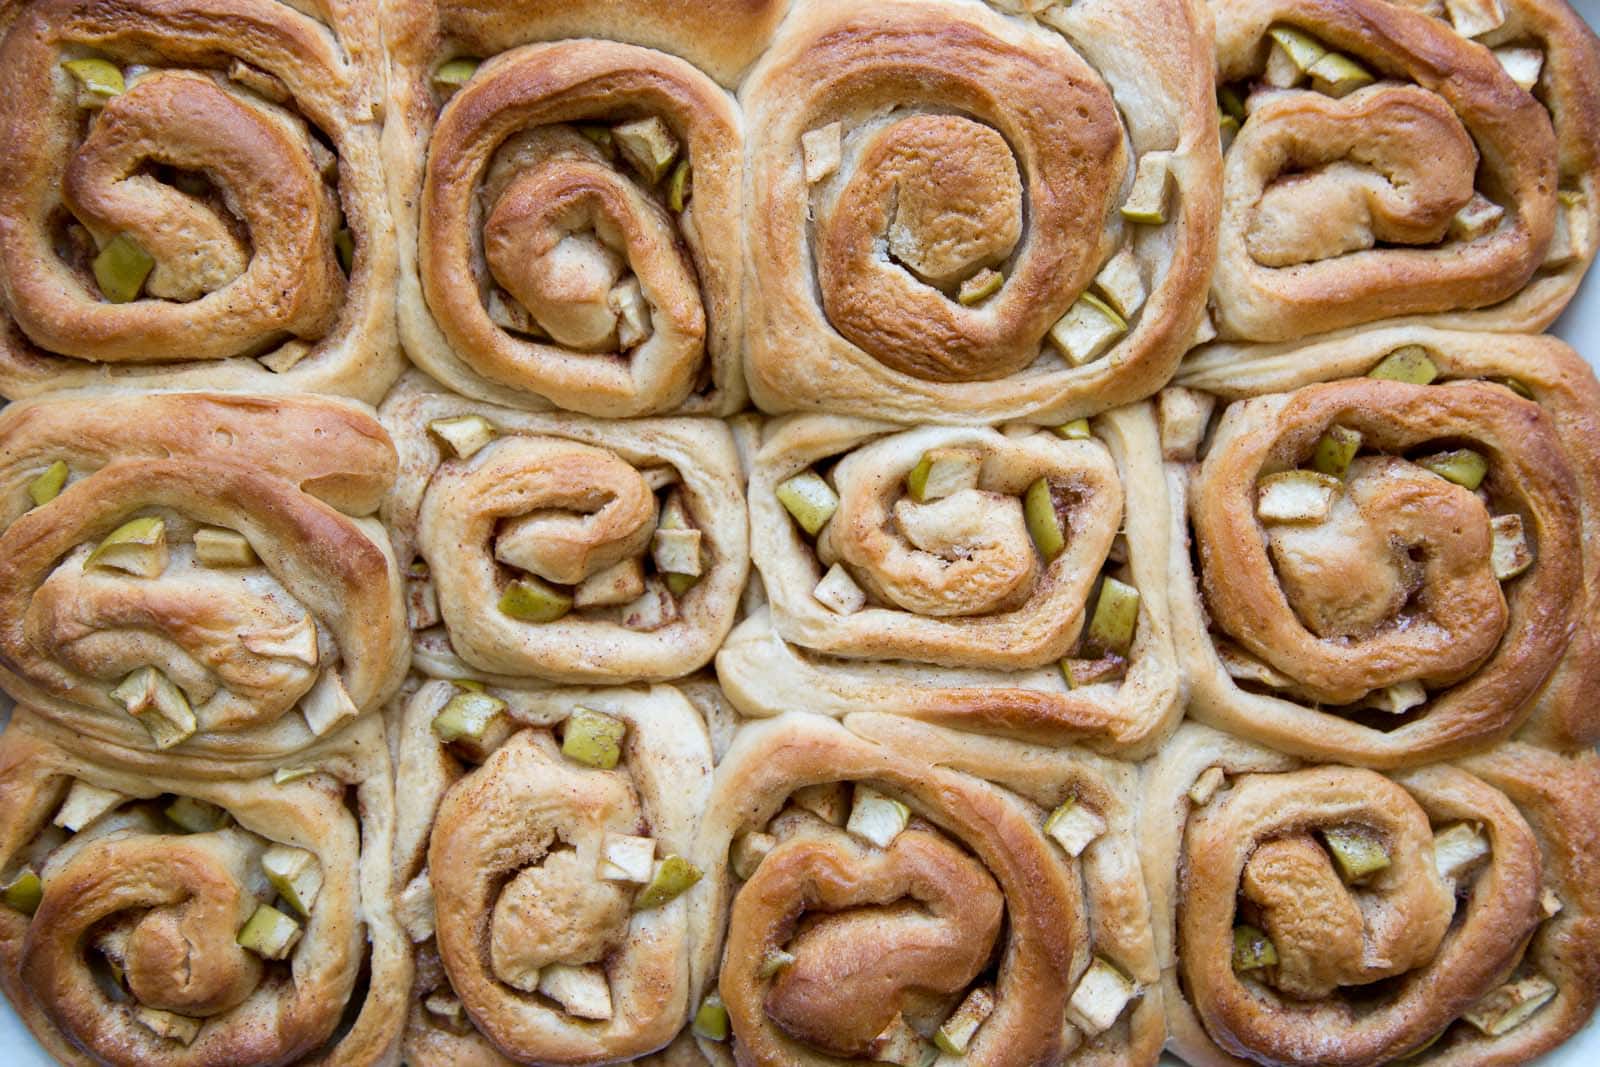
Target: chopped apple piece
[(447, 1010), (980, 287), (711, 1018), (1357, 852), (1082, 672), (1480, 216), (296, 874), (1408, 364), (532, 599), (624, 858), (269, 933), (1100, 998), (943, 472), (196, 816), (1473, 18), (285, 775), (1524, 65), (618, 584), (680, 186), (120, 269), (1252, 949), (809, 499), (1205, 787), (23, 891), (1399, 698), (453, 74), (1044, 520), (1458, 850), (748, 851), (1293, 55), (653, 609), (822, 149), (1510, 554), (1147, 200), (1087, 330), (648, 146), (48, 485), (1295, 496), (1335, 451), (217, 547), (84, 804), (1462, 466), (593, 738), (1115, 618), (138, 547), (1183, 415), (1550, 903), (161, 708), (1076, 430), (673, 876), (581, 991), (956, 1032), (633, 312), (676, 551), (506, 313), (1122, 284), (98, 81), (170, 1025), (899, 1044), (1074, 826), (877, 818), (465, 434), (1571, 238), (476, 721), (1513, 1004), (328, 704), (839, 593), (827, 801), (414, 909), (1338, 75)]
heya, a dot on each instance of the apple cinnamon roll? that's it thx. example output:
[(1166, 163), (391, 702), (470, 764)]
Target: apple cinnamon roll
[(570, 232), (229, 918), (898, 890), (551, 875), (1336, 916), (1393, 544), (560, 548), (197, 574), (1381, 164), (192, 198), (1004, 581), (1051, 265)]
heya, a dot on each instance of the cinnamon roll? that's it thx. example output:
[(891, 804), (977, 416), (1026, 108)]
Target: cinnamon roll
[(1004, 581), (1390, 566), (550, 869), (899, 890), (1382, 164), (151, 918), (570, 232), (1052, 265), (563, 548), (191, 197), (1335, 916), (197, 574)]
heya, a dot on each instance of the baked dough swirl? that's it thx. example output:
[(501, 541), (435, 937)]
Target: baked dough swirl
[(929, 592), (223, 918), (895, 885), (563, 548), (1332, 915), (197, 573), (1073, 198), (1387, 165), (1418, 618), (191, 197), (531, 947), (570, 233)]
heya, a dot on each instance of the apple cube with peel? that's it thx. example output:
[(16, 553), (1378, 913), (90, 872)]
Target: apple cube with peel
[(1100, 998), (84, 804), (1074, 826), (877, 818)]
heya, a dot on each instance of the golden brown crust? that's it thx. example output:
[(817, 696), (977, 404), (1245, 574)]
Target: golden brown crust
[(502, 205), (231, 108), (132, 888), (1442, 942), (298, 478), (853, 305), (965, 622), (474, 523), (489, 838), (1555, 377), (854, 915)]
